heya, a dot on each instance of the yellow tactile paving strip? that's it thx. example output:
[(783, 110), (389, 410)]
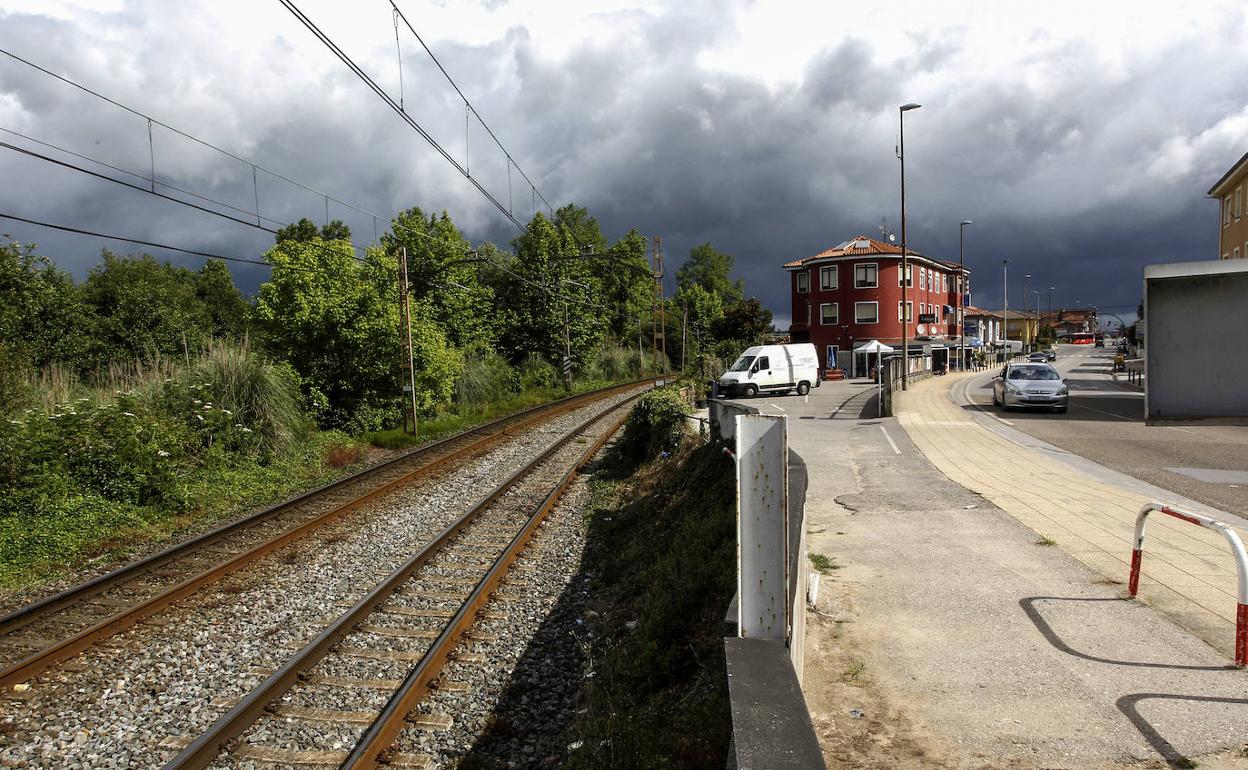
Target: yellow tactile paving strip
[(1188, 570)]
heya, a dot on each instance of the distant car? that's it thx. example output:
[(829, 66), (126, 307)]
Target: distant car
[(1038, 357), (1050, 354), (1030, 385), (1099, 344)]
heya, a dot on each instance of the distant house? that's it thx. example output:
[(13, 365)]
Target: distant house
[(1067, 322), (1232, 192), (984, 325), (850, 294)]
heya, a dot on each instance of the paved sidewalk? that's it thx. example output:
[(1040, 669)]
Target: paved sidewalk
[(1188, 571)]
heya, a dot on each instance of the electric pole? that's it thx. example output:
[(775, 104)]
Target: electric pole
[(660, 339), (408, 359)]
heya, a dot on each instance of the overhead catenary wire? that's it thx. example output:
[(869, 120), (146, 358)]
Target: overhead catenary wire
[(385, 97), (146, 191), (153, 244), (191, 137)]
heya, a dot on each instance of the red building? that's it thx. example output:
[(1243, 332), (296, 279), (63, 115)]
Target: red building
[(851, 294)]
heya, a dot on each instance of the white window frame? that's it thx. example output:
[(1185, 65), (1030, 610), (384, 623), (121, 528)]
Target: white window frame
[(944, 283), (836, 310), (1226, 210), (835, 272), (874, 284), (1235, 253), (1238, 210), (909, 312), (831, 354), (910, 270), (858, 318), (803, 286)]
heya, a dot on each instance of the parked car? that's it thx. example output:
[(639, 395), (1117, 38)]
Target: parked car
[(1030, 385), (774, 369)]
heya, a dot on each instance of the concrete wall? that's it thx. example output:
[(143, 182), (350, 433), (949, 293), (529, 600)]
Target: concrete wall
[(1195, 362)]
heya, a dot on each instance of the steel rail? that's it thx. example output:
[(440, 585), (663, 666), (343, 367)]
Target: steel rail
[(203, 751), (370, 750), (74, 644)]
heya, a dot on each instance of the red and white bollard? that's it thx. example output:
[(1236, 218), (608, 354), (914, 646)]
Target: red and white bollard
[(1241, 566)]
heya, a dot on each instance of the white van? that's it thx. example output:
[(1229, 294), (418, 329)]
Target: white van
[(774, 369)]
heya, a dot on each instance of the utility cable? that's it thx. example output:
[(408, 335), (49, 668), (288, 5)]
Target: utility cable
[(385, 97), (153, 244)]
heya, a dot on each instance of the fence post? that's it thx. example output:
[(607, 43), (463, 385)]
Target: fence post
[(762, 526)]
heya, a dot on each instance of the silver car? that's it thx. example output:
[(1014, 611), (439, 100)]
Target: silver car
[(1033, 385)]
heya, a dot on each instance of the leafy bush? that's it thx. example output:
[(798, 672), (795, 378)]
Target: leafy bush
[(486, 379), (537, 372), (253, 393), (615, 363), (656, 424)]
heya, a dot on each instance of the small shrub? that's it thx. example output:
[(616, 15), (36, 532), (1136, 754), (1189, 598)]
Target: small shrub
[(485, 380), (656, 424), (342, 455), (537, 372)]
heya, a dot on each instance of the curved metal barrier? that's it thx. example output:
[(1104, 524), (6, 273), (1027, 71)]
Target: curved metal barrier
[(1241, 565)]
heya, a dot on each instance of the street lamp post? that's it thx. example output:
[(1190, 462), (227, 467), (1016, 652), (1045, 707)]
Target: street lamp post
[(905, 252), (1023, 332), (1005, 301), (1035, 335), (1052, 324), (962, 292)]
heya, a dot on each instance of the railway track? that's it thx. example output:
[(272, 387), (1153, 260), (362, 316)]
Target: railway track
[(389, 647), (59, 627)]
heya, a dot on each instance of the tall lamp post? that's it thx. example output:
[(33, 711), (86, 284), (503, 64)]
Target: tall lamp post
[(905, 252), (1005, 301), (962, 292), (1036, 334), (1052, 324), (1023, 334)]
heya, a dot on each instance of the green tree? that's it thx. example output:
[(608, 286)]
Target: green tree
[(586, 235), (746, 320), (214, 285), (336, 319), (542, 292), (442, 273), (627, 283), (700, 310), (43, 317), (144, 308), (710, 269), (305, 231)]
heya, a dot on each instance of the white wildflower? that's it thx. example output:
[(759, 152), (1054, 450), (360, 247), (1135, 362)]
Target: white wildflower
[(246, 430), (196, 402), (227, 411), (199, 417), (128, 414), (162, 453)]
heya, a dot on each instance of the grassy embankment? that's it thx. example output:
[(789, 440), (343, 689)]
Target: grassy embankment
[(91, 473)]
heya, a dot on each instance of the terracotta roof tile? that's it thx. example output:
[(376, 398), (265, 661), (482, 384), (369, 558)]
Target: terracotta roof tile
[(863, 246)]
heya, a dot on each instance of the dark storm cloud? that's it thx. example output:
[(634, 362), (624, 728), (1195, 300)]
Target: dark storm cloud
[(1076, 172)]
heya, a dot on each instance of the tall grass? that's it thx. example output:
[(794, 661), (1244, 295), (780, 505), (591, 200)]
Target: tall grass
[(485, 380), (261, 395)]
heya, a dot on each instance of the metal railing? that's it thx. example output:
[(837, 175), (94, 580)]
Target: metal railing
[(1241, 565)]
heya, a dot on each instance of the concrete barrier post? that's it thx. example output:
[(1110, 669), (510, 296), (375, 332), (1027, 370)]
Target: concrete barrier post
[(762, 526)]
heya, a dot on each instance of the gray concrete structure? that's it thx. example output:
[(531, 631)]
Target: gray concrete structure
[(1195, 363)]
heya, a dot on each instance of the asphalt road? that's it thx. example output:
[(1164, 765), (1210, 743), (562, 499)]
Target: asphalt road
[(1105, 423)]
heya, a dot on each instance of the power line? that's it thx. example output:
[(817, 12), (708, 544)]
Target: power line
[(153, 244), (123, 183), (372, 84), (151, 180), (468, 104)]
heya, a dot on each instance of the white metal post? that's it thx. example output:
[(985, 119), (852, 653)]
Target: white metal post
[(762, 526)]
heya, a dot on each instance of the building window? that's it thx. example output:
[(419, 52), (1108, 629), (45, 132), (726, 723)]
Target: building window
[(865, 275), (1235, 253), (909, 311), (922, 279), (1238, 211), (803, 282), (828, 278), (909, 275), (832, 354), (829, 314), (866, 312), (1226, 211), (944, 284)]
